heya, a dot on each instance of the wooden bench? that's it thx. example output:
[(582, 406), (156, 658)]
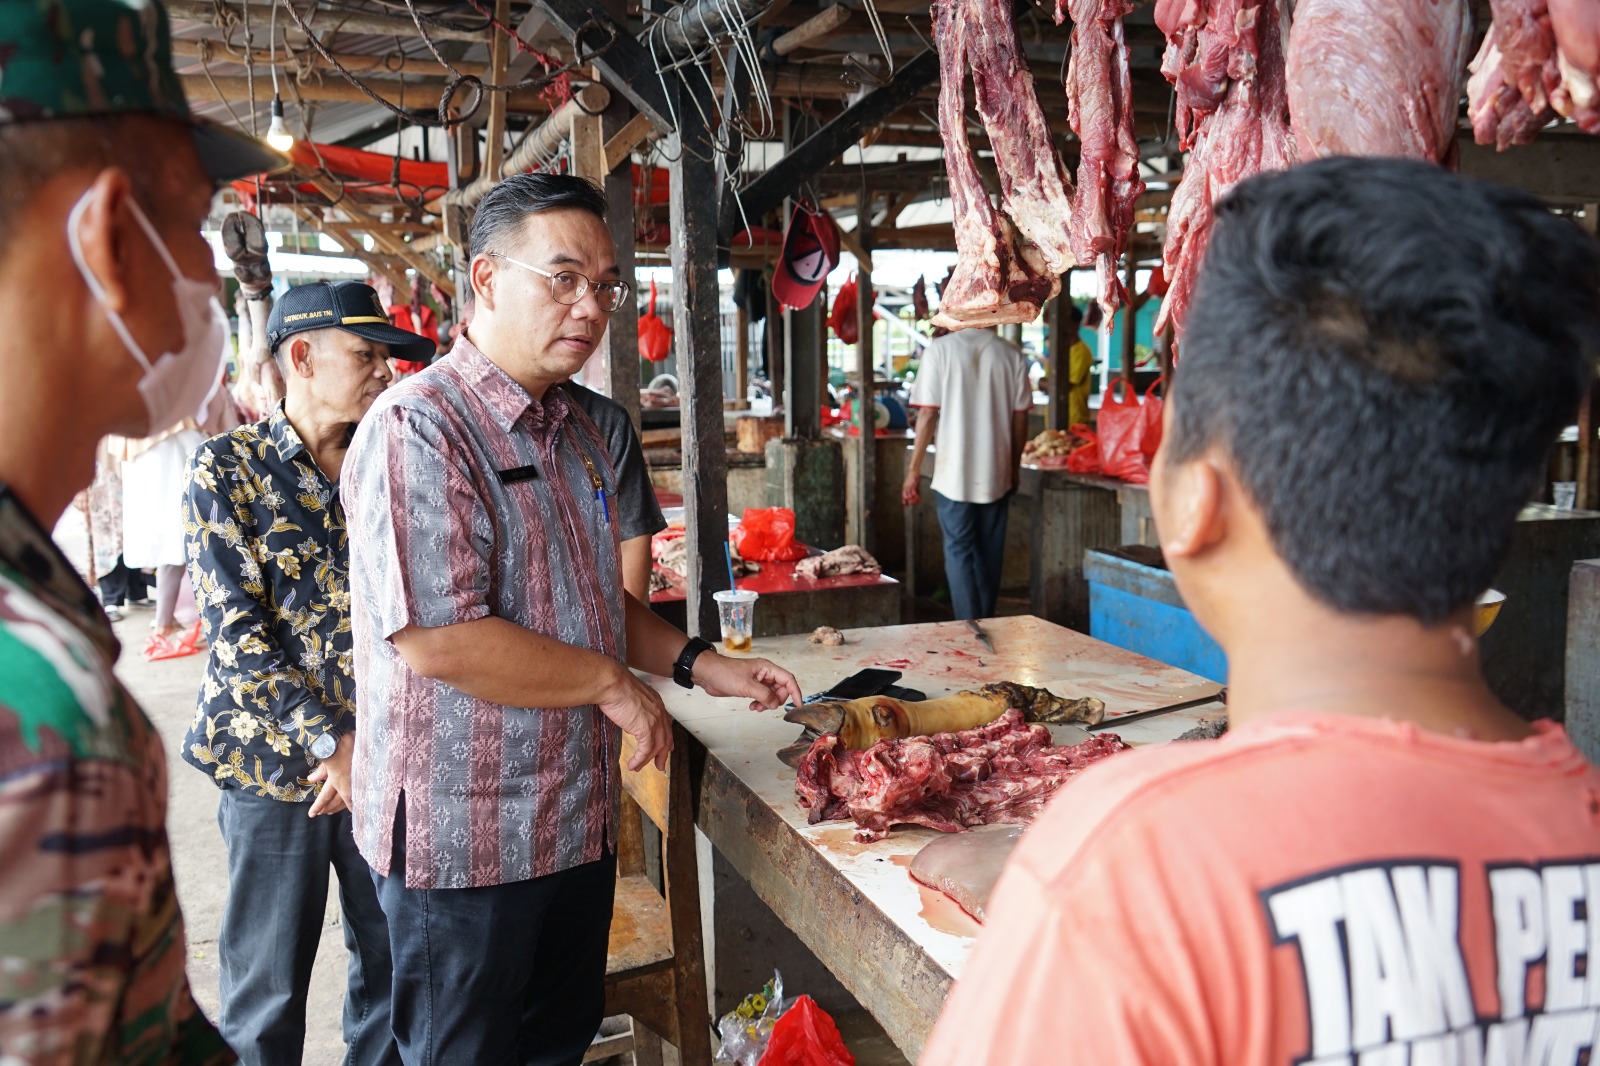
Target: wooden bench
[(656, 972)]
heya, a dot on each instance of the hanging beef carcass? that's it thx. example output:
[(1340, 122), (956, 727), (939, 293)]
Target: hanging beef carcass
[(1576, 24), (1242, 132), (998, 277), (1100, 109), (1376, 77)]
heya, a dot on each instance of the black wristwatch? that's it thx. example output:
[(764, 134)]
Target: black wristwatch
[(683, 669)]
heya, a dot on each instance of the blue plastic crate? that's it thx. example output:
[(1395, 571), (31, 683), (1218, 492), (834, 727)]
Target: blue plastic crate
[(1135, 605)]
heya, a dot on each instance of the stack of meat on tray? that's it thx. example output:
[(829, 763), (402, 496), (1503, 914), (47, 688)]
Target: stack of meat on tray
[(1254, 93), (1002, 772)]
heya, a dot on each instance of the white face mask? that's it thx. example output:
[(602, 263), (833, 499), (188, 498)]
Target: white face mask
[(177, 385)]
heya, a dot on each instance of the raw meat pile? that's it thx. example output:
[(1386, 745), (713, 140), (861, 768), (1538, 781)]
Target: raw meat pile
[(1010, 262), (1001, 772), (1225, 58), (1540, 58), (1378, 78)]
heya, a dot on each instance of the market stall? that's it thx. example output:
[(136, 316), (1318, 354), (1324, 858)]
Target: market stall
[(895, 945)]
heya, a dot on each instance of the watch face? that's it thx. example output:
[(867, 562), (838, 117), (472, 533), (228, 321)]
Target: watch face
[(324, 746)]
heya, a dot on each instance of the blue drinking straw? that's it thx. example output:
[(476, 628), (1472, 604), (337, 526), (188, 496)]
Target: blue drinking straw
[(727, 554)]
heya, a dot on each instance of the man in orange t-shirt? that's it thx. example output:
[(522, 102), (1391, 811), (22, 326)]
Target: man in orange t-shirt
[(1380, 864)]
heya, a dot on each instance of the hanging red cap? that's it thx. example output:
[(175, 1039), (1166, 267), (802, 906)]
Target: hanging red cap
[(810, 252)]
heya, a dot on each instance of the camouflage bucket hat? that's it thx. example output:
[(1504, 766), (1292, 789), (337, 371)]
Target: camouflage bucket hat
[(64, 59)]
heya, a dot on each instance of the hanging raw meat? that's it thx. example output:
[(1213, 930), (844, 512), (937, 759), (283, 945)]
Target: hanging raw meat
[(1034, 186), (1577, 33), (1540, 58), (1100, 109), (1211, 44), (1375, 77), (1499, 113), (1244, 132), (998, 277)]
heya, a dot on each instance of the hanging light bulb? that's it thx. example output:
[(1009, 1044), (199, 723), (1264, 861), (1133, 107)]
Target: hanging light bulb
[(278, 135)]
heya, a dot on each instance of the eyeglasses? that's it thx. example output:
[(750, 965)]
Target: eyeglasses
[(569, 286)]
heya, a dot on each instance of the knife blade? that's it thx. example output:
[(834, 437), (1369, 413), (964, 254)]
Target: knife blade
[(1219, 696), (983, 637)]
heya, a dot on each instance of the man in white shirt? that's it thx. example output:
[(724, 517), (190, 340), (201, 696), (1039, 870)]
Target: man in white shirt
[(973, 396)]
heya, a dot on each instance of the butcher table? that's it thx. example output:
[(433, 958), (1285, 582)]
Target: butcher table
[(894, 945)]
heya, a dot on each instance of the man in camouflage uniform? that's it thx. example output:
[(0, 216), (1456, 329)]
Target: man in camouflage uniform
[(104, 182)]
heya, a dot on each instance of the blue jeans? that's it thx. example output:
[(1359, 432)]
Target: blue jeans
[(499, 975), (278, 862), (974, 552)]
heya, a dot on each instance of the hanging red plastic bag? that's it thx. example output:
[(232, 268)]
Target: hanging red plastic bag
[(766, 534), (806, 1036), (1153, 406), (655, 336), (1122, 429), (1084, 460), (843, 316)]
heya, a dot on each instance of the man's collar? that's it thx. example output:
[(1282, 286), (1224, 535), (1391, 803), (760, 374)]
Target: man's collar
[(508, 401), (283, 434), (27, 549)]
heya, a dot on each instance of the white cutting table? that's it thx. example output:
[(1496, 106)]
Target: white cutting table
[(895, 945)]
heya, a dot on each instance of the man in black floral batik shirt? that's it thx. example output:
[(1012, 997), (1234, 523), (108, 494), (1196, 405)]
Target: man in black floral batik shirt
[(269, 560)]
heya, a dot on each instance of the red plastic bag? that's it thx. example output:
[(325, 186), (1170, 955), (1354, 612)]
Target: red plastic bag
[(655, 336), (766, 534), (1153, 406), (1084, 460), (1122, 431), (843, 316), (806, 1036)]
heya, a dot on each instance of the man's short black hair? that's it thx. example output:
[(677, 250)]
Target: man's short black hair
[(505, 207), (1386, 352)]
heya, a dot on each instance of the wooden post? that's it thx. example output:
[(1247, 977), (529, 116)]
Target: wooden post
[(499, 57), (805, 335), (1058, 358), (697, 324), (776, 318), (1130, 323), (866, 407), (1588, 473), (741, 366)]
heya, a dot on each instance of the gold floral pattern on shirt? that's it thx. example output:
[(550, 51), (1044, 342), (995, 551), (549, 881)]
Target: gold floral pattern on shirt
[(268, 558)]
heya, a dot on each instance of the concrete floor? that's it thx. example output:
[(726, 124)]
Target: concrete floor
[(167, 691)]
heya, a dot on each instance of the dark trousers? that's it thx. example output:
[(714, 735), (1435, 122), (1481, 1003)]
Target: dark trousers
[(500, 975), (974, 553), (121, 585), (278, 862)]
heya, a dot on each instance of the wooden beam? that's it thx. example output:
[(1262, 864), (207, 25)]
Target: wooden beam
[(851, 242), (352, 245), (237, 89), (823, 22), (866, 406), (343, 21), (697, 335), (625, 64), (364, 66), (499, 59), (620, 145), (828, 143), (388, 241)]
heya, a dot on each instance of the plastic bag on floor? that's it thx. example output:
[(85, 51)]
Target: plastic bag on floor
[(745, 1030), (806, 1036)]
